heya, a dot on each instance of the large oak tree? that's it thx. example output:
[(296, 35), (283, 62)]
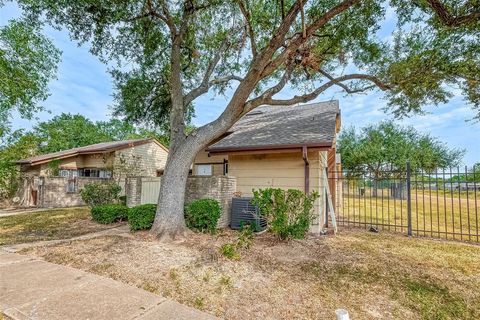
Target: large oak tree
[(170, 53)]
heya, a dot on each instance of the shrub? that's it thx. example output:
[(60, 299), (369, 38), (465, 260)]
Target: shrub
[(229, 251), (94, 194), (109, 213), (289, 213), (244, 242), (202, 215), (123, 200), (141, 217), (245, 237)]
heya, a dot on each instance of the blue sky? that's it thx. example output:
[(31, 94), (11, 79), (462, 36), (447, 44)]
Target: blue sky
[(84, 86)]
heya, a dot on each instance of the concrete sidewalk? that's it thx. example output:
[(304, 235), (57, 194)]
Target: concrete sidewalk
[(34, 289)]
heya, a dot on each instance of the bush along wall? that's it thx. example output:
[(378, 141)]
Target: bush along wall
[(289, 213), (94, 194), (109, 213), (141, 217), (202, 215)]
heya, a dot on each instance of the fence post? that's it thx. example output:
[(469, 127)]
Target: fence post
[(409, 202)]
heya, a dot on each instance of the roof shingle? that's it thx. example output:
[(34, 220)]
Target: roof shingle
[(276, 126), (93, 148)]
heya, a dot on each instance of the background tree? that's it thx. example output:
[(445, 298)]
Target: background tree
[(28, 61), (180, 50), (383, 150), (17, 145), (60, 133), (388, 146), (68, 131)]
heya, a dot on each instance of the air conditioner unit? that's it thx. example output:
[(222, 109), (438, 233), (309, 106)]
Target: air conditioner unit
[(245, 213)]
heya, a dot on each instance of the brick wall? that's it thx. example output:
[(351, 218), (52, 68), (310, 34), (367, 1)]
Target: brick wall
[(52, 191), (220, 188)]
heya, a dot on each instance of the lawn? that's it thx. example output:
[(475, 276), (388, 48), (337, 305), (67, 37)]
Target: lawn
[(435, 215), (373, 276), (47, 225)]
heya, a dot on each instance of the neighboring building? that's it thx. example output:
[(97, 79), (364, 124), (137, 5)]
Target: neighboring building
[(55, 179), (289, 147)]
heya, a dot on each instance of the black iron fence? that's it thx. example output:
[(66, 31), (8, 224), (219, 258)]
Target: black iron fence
[(443, 203)]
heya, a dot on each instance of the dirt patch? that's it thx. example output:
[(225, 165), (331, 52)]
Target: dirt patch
[(373, 276)]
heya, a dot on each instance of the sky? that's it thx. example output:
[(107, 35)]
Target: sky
[(84, 86)]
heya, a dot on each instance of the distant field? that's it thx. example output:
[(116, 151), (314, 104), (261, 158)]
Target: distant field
[(433, 214)]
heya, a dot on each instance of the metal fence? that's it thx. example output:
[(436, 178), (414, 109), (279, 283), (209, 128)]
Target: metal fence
[(443, 204)]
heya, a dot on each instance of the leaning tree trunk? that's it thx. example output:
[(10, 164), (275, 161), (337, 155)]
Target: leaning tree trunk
[(169, 219)]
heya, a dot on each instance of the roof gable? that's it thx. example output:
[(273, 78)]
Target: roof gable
[(93, 148), (273, 127)]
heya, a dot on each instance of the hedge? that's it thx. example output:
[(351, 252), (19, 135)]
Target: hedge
[(109, 213), (141, 217), (203, 214)]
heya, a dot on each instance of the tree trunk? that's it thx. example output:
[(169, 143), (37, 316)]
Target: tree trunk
[(169, 219)]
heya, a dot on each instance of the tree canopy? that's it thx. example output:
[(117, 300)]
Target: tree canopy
[(220, 39), (28, 61), (387, 146)]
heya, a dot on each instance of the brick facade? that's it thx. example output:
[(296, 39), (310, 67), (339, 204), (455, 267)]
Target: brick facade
[(53, 192), (220, 188)]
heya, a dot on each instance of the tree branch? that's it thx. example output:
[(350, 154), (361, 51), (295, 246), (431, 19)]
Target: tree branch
[(206, 83), (204, 87), (147, 11), (168, 18), (249, 27), (334, 81), (348, 89), (298, 40), (450, 20), (255, 102)]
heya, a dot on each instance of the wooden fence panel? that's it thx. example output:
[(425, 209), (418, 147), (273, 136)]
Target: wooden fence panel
[(150, 190)]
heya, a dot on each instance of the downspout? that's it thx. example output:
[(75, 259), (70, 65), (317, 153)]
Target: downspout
[(307, 169)]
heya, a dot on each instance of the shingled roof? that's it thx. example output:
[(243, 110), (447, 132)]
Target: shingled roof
[(279, 127), (93, 148)]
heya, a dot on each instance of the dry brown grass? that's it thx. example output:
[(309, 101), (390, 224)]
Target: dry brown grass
[(373, 276), (47, 225)]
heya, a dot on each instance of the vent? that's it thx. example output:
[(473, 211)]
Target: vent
[(254, 113), (244, 212)]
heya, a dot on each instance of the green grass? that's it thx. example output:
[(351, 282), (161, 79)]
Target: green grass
[(437, 215), (47, 225), (434, 301)]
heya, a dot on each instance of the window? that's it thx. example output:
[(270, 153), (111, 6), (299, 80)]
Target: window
[(204, 169), (225, 167), (68, 173), (91, 173), (94, 173), (105, 174), (72, 186)]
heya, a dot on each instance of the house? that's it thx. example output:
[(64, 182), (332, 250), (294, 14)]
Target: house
[(289, 147), (55, 179)]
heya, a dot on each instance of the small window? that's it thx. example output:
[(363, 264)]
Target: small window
[(204, 170), (68, 173), (105, 174), (225, 167), (72, 186)]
